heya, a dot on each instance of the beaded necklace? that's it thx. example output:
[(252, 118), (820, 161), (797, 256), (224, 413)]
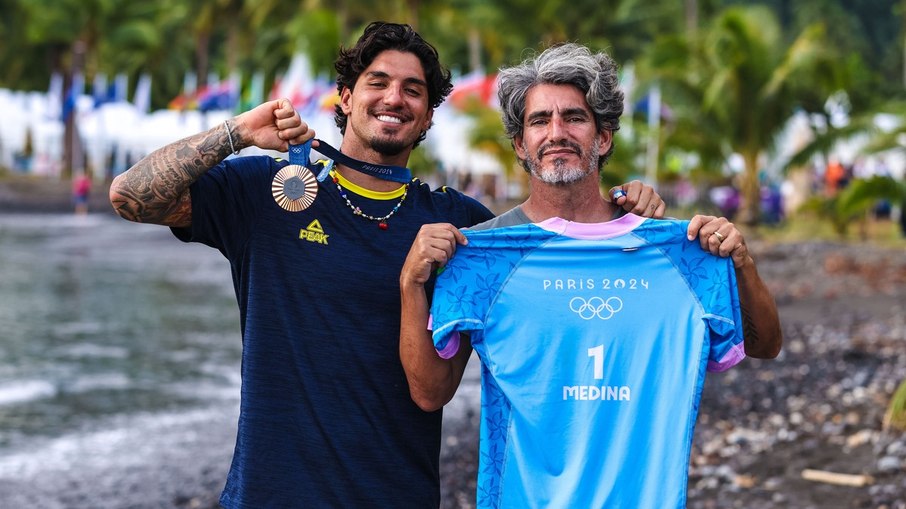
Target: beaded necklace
[(381, 221)]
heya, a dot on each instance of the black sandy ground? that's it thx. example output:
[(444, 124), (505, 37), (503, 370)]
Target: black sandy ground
[(819, 406)]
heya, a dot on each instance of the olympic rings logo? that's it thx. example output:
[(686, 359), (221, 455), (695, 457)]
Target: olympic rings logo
[(595, 306)]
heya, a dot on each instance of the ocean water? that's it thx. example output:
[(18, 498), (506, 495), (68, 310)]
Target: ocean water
[(119, 350), (119, 368)]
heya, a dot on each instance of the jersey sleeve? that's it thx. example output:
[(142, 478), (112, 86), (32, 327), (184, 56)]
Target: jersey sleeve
[(457, 306), (724, 317), (713, 281)]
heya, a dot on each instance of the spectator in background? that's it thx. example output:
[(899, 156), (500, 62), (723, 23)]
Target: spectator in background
[(834, 177), (81, 189)]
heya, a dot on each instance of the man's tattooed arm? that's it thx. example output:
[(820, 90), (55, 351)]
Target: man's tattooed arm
[(760, 321), (156, 189)]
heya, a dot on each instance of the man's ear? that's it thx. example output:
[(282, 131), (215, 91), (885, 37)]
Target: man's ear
[(345, 99), (606, 139), (518, 147), (428, 119)]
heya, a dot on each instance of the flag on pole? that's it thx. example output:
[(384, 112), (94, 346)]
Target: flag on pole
[(99, 89), (55, 96), (475, 86), (297, 83), (186, 99), (120, 87), (255, 94), (142, 97), (76, 89)]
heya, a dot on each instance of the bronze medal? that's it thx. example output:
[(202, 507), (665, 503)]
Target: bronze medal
[(294, 188)]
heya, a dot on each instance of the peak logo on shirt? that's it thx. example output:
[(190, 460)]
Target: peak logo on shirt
[(314, 233)]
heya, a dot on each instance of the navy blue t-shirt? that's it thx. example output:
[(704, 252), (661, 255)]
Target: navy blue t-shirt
[(326, 418)]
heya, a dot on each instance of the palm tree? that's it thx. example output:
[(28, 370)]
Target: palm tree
[(741, 82), (861, 194), (72, 29), (205, 20)]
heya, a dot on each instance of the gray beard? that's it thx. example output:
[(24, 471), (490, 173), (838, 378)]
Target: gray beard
[(561, 173)]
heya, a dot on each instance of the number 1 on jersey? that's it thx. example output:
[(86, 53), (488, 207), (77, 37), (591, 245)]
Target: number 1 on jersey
[(598, 354)]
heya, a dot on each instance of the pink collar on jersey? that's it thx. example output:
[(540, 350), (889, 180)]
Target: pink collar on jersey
[(592, 231)]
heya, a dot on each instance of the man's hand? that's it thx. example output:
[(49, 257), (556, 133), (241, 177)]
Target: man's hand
[(638, 198), (432, 380), (760, 321), (433, 247), (719, 237), (272, 125)]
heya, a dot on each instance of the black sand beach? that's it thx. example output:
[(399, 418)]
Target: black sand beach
[(818, 407)]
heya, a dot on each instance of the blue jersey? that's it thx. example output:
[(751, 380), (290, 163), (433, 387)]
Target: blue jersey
[(326, 419), (594, 341)]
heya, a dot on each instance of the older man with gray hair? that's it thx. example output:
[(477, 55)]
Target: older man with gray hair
[(594, 327)]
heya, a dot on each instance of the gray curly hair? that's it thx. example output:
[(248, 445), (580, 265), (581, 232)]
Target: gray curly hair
[(595, 74)]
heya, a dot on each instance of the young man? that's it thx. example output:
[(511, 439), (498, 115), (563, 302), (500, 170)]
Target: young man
[(594, 328), (326, 419)]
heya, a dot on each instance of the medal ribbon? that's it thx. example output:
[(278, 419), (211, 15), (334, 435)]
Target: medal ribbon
[(382, 171), (299, 154)]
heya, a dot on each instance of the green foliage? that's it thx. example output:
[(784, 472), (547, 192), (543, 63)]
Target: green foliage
[(627, 160), (167, 38), (854, 201), (487, 135), (422, 163), (735, 86), (731, 72), (869, 29), (862, 194), (317, 34), (823, 142), (895, 418)]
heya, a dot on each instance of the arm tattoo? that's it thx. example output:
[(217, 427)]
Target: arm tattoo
[(749, 330), (156, 189)]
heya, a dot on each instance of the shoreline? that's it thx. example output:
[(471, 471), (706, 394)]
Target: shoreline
[(819, 406), (34, 194)]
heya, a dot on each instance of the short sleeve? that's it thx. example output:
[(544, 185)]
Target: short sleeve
[(724, 319), (455, 308), (225, 201)]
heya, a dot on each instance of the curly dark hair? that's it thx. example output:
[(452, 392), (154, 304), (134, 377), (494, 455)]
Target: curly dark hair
[(377, 38)]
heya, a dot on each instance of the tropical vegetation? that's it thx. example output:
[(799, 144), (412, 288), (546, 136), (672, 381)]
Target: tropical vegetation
[(731, 73)]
